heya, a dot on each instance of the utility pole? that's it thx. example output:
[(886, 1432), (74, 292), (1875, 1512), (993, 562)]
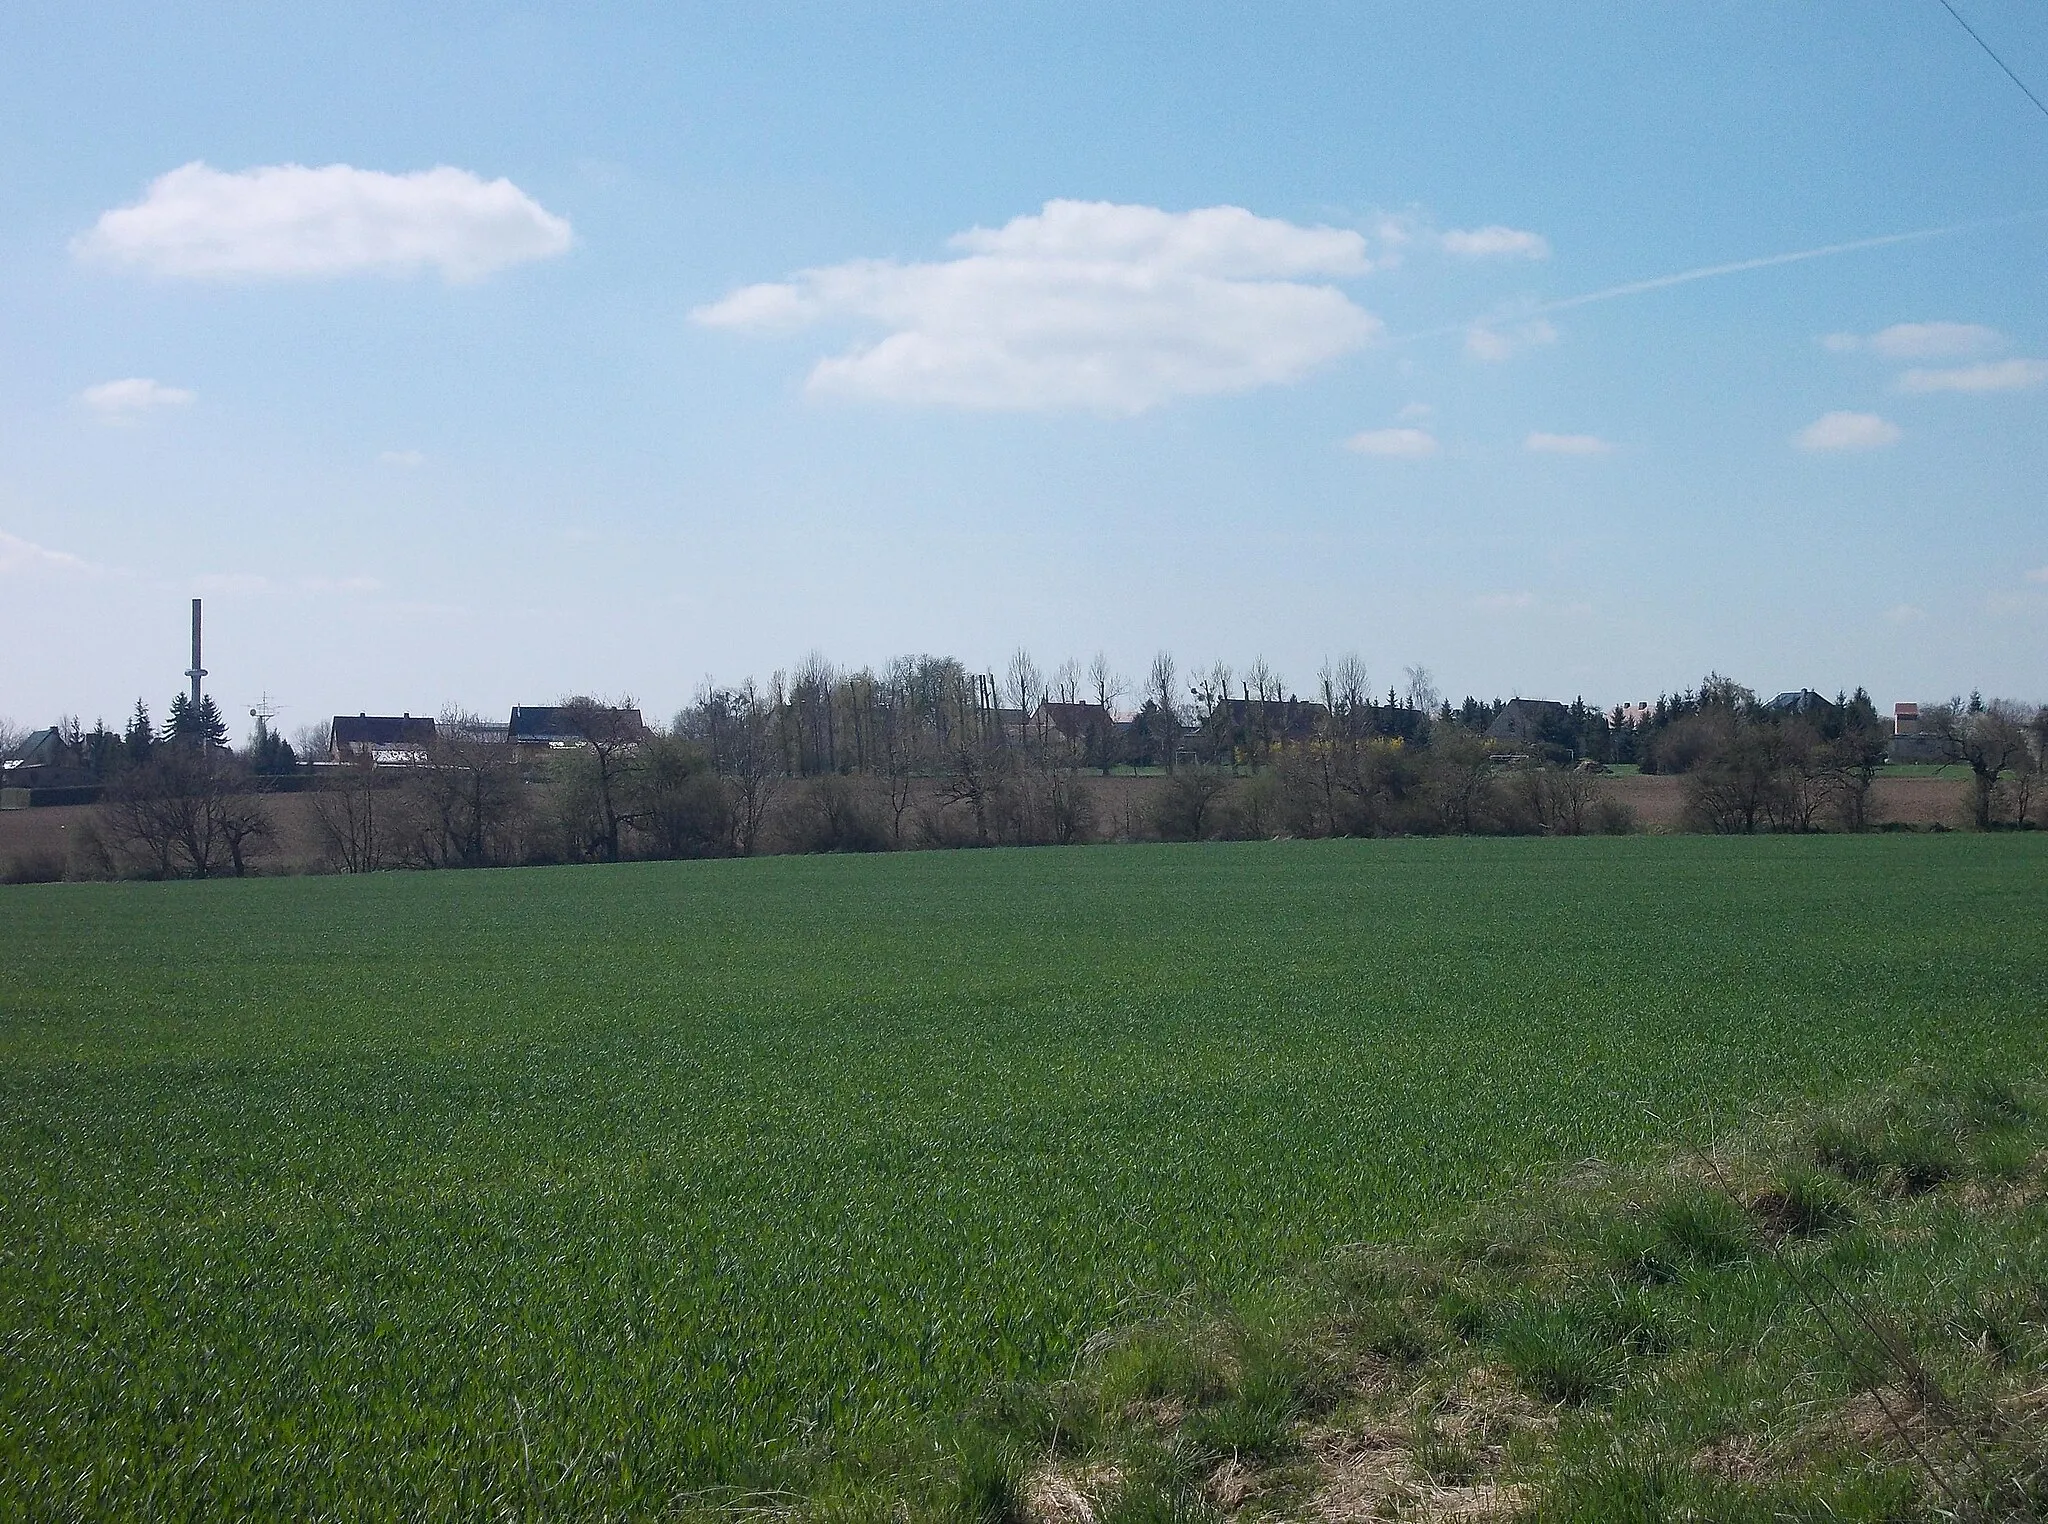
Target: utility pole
[(195, 671)]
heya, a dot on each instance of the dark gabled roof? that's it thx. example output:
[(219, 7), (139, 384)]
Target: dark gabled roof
[(1801, 701), (547, 724), (382, 730), (1293, 718), (45, 748), (1073, 720), (1521, 718)]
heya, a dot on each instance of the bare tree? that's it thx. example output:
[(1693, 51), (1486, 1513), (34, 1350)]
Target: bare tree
[(350, 816), (468, 795), (1215, 736), (313, 743), (1108, 685), (1986, 738), (679, 805), (1559, 798), (1160, 692), (1347, 695), (752, 761), (1184, 808), (1066, 687), (191, 808), (1422, 694), (611, 733), (1024, 687), (975, 775)]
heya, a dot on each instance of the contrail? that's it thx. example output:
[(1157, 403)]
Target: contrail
[(1734, 267)]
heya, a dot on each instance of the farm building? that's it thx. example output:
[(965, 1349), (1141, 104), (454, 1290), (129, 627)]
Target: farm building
[(387, 740), (1528, 721), (545, 725)]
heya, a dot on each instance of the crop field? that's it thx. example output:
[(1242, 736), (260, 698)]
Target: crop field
[(611, 1191)]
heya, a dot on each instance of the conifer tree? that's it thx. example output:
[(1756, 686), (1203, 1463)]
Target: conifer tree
[(139, 739), (197, 724), (213, 730), (178, 724)]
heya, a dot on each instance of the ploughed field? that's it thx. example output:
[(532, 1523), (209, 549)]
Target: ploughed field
[(616, 1190)]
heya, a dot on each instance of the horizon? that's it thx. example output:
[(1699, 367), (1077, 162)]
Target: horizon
[(484, 358)]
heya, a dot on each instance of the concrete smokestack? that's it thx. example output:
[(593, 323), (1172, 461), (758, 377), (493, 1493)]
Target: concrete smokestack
[(195, 671)]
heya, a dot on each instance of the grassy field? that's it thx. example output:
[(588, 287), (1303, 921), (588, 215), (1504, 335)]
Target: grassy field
[(583, 1191)]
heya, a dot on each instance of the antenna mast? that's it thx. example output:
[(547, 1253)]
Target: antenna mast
[(195, 671)]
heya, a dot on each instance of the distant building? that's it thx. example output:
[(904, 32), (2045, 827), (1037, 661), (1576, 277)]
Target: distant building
[(1288, 719), (475, 732), (385, 740), (53, 768), (546, 725), (1526, 722), (1077, 726), (1804, 702), (1910, 743)]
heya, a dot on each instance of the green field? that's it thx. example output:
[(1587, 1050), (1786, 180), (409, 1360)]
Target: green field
[(579, 1191)]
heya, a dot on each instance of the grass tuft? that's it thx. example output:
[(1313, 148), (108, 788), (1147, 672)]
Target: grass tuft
[(987, 1483)]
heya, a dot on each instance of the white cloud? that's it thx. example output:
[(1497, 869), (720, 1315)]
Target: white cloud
[(1920, 341), (1905, 613), (1847, 431), (1394, 444), (125, 401), (1082, 304), (2038, 574), (289, 220), (1991, 376), (25, 557), (1567, 444), (410, 460), (1495, 242), (1493, 344), (1415, 412)]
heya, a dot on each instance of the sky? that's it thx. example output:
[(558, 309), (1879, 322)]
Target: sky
[(477, 355)]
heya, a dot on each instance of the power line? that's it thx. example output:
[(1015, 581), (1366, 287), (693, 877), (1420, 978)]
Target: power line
[(2030, 95)]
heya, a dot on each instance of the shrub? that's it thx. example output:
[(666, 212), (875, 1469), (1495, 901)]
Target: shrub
[(41, 865), (1556, 1355)]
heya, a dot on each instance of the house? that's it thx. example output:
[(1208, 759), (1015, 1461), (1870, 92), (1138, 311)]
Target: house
[(384, 740), (550, 725), (46, 762), (1526, 721), (1804, 702), (1081, 726), (1262, 721), (1013, 725)]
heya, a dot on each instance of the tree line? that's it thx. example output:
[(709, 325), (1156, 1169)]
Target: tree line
[(927, 753)]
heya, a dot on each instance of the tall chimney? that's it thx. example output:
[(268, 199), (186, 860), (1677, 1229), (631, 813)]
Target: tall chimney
[(195, 671)]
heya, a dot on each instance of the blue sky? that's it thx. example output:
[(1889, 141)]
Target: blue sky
[(718, 336)]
